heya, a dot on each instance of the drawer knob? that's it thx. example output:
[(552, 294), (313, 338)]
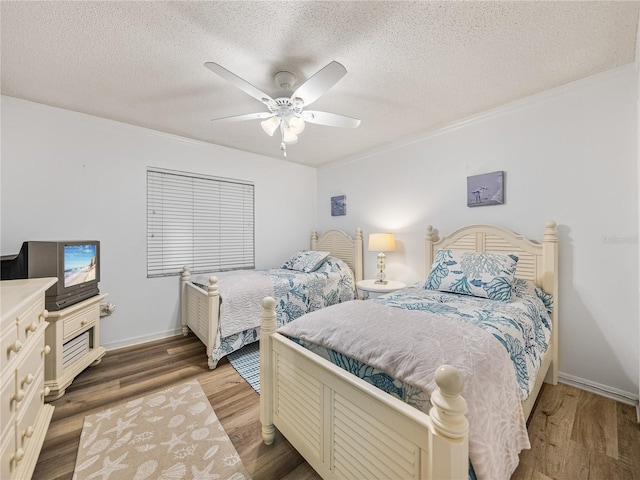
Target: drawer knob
[(84, 322), (18, 396), (46, 391), (32, 327), (46, 350), (44, 314), (19, 455), (28, 433), (15, 346), (28, 379)]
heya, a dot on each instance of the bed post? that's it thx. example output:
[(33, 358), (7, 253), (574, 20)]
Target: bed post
[(359, 260), (430, 237), (213, 306), (267, 327), (314, 239), (550, 285), (185, 278), (450, 436)]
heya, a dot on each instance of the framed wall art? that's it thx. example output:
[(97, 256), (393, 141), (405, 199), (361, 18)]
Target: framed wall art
[(485, 189), (338, 206)]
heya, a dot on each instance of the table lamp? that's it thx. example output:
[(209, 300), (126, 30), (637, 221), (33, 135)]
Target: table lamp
[(381, 242)]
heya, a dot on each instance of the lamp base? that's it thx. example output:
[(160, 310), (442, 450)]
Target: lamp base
[(380, 282)]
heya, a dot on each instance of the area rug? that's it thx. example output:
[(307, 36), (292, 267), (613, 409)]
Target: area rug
[(247, 362), (171, 435)]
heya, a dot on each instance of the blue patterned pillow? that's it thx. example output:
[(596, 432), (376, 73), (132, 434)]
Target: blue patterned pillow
[(305, 260), (522, 287), (487, 275)]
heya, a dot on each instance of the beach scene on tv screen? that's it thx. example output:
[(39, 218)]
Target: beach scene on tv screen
[(79, 264)]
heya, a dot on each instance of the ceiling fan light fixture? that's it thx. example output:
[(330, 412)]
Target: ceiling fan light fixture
[(296, 124), (270, 125), (286, 112), (289, 137)]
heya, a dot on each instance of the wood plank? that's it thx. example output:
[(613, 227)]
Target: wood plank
[(628, 442), (595, 424), (550, 428)]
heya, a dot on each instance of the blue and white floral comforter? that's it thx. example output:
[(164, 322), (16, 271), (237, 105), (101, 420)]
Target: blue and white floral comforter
[(522, 326), (396, 341), (295, 293)]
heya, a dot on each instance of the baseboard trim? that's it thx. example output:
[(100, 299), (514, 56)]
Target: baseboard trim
[(599, 389), (129, 342)]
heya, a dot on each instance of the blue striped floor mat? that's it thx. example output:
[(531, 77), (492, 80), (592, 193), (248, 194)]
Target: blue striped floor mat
[(247, 362)]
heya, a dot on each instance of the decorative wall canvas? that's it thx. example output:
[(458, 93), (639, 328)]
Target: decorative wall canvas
[(485, 189), (338, 205)]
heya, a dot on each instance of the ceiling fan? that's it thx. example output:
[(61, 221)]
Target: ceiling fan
[(287, 112)]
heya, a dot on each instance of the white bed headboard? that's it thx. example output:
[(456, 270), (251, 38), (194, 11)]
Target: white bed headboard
[(341, 245)]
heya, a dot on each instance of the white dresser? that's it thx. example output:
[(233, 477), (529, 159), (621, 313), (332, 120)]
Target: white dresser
[(24, 417)]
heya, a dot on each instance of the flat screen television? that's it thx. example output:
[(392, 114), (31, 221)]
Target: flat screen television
[(76, 265)]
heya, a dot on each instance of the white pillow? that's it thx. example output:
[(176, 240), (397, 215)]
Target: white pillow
[(487, 275)]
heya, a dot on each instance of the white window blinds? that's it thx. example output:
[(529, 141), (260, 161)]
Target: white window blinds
[(197, 220)]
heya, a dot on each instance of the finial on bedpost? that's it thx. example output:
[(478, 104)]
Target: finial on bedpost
[(550, 232), (212, 289), (314, 239), (267, 327), (449, 408), (358, 233), (429, 234)]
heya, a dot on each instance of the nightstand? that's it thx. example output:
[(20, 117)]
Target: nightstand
[(370, 289)]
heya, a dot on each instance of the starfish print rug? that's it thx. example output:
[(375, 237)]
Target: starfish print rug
[(172, 434)]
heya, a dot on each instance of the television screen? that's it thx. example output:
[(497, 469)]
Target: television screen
[(79, 264)]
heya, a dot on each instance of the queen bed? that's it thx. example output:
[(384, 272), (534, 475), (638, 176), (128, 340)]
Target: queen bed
[(327, 388), (223, 309)]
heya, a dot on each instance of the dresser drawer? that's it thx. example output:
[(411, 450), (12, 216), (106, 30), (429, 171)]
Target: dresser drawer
[(7, 449), (9, 342), (31, 320), (28, 411), (8, 406), (30, 370), (81, 320)]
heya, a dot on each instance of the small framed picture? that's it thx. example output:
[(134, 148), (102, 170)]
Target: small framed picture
[(485, 189), (338, 205)]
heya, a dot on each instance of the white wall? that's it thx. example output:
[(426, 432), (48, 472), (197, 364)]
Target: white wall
[(569, 155), (70, 176)]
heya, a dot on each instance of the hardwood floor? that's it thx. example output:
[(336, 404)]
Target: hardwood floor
[(574, 434)]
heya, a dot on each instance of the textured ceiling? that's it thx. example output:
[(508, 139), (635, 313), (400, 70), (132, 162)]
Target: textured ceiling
[(412, 66)]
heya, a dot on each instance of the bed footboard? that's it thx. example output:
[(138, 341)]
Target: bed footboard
[(347, 428), (200, 311)]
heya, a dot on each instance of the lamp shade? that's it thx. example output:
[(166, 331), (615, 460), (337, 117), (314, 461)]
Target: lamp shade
[(270, 125), (382, 242)]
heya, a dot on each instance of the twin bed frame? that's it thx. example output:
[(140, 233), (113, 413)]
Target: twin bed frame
[(347, 428), (200, 309)]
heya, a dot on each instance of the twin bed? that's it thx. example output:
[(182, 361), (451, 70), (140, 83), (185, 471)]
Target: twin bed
[(223, 310), (382, 388)]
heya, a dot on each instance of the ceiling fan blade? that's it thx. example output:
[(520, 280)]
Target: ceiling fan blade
[(246, 116), (329, 119), (242, 84), (319, 83)]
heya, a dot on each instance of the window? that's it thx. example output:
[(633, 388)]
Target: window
[(198, 220)]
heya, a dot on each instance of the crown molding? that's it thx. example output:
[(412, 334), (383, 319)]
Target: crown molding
[(508, 108)]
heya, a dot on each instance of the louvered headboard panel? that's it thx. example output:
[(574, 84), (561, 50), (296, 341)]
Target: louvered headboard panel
[(537, 261), (341, 245)]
